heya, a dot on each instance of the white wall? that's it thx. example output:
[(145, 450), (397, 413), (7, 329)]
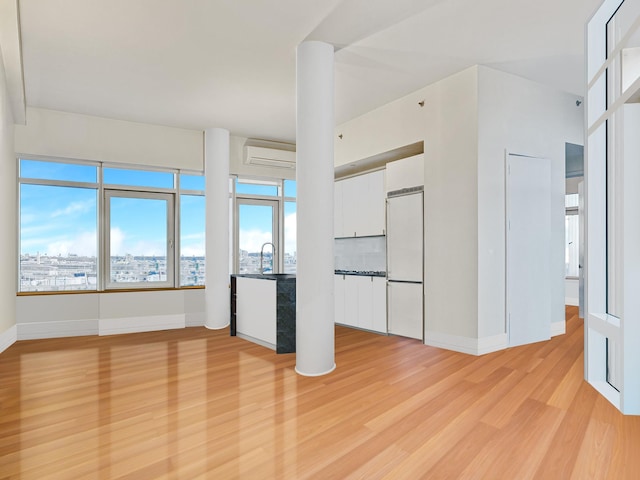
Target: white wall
[(527, 118), (572, 291), (451, 220), (391, 126), (67, 315), (8, 247), (70, 135)]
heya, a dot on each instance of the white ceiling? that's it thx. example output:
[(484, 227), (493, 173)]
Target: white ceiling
[(231, 63)]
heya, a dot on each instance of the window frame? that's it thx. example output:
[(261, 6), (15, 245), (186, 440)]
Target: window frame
[(170, 240), (281, 200)]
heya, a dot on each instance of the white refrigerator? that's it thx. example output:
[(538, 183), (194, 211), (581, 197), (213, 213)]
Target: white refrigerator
[(405, 260)]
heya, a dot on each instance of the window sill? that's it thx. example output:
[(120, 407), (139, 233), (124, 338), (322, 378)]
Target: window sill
[(120, 290)]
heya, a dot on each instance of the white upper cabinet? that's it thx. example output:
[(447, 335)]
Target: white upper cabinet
[(359, 206)]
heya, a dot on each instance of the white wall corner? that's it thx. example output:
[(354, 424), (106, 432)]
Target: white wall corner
[(57, 329), (558, 328), (574, 302), (492, 344), (113, 326), (8, 338), (471, 346), (11, 57)]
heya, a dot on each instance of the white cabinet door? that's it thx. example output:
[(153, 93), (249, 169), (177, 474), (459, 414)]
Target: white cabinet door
[(405, 238), (359, 206), (379, 295), (338, 207), (376, 202), (339, 295), (350, 193), (361, 302), (365, 302), (405, 309), (405, 173), (256, 309), (350, 301), (369, 205)]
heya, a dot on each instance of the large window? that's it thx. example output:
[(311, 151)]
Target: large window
[(58, 226), (89, 226)]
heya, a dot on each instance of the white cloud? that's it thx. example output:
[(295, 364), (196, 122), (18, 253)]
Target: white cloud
[(193, 236), (192, 249), (117, 241), (122, 245), (192, 244), (83, 244), (148, 248), (75, 207), (252, 240)]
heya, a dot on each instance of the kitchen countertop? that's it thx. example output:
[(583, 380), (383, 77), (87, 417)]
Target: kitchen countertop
[(267, 276), (360, 274)]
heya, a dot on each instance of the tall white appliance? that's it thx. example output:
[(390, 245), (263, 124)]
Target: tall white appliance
[(405, 260)]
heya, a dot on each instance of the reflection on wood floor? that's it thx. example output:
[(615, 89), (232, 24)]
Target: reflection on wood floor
[(196, 403)]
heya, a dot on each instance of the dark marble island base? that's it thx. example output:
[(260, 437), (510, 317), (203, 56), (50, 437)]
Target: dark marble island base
[(285, 310)]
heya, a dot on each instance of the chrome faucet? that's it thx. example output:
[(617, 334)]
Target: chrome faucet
[(273, 256)]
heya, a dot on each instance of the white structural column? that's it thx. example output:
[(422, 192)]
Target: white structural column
[(216, 169), (314, 173)]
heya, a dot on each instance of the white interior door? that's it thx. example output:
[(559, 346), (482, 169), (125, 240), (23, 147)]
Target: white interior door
[(528, 249)]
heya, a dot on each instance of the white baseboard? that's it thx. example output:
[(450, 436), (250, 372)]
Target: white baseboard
[(256, 340), (57, 329), (8, 338), (195, 319), (558, 328), (571, 301), (471, 346), (113, 326)]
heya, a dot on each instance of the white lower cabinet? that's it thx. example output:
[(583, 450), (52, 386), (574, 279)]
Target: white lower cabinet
[(350, 301), (379, 294), (339, 293), (361, 302), (365, 302)]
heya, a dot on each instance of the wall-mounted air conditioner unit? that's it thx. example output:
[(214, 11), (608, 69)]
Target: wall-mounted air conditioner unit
[(269, 157)]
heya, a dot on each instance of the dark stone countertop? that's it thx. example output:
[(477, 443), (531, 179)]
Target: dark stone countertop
[(267, 276), (360, 274)]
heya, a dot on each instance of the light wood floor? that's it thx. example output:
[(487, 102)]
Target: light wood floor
[(196, 403)]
